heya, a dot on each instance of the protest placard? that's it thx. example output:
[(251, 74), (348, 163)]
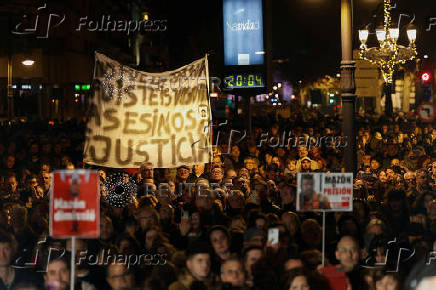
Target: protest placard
[(75, 204), (325, 192)]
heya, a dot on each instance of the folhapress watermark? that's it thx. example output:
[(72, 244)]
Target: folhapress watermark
[(431, 23), (105, 257), (45, 22), (106, 23)]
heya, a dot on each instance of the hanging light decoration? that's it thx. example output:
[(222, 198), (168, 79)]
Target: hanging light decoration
[(389, 53)]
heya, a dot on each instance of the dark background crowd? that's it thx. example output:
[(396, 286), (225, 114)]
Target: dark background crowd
[(206, 226)]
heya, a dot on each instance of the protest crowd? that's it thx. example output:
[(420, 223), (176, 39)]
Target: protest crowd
[(206, 226)]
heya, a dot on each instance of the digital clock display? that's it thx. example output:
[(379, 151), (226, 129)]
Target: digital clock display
[(244, 80)]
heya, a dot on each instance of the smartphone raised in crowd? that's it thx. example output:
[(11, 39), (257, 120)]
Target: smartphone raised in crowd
[(185, 215), (273, 235)]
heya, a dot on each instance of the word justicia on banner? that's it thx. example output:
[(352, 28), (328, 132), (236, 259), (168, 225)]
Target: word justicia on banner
[(133, 122)]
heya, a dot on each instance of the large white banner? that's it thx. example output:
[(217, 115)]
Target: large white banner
[(163, 118)]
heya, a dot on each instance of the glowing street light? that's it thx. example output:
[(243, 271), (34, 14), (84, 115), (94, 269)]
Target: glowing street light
[(363, 35), (28, 62), (145, 16)]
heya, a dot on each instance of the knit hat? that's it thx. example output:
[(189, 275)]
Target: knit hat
[(198, 247)]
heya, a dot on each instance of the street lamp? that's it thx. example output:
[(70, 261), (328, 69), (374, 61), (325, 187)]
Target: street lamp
[(145, 16), (28, 62), (389, 54), (10, 92)]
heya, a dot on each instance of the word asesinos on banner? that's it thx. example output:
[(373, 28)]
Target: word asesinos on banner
[(158, 123)]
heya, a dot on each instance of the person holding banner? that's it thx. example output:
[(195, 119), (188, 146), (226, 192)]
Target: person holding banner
[(309, 198)]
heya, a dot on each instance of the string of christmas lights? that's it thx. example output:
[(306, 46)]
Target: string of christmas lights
[(389, 54)]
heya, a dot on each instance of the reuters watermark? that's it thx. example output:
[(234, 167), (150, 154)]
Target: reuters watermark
[(188, 188)]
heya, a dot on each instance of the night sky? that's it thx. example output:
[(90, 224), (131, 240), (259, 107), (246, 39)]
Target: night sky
[(306, 33)]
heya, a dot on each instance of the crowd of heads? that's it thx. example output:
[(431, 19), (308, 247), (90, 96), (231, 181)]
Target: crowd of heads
[(207, 226)]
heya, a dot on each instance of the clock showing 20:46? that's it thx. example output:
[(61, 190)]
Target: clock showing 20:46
[(244, 80)]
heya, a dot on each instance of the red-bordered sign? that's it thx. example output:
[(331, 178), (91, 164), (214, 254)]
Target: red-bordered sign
[(75, 204), (426, 112), (325, 192)]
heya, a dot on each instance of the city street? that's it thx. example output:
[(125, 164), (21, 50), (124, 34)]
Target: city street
[(220, 144)]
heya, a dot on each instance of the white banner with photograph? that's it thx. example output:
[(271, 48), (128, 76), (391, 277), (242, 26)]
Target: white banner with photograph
[(135, 116)]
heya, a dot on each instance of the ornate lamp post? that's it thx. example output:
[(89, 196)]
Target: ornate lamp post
[(389, 54)]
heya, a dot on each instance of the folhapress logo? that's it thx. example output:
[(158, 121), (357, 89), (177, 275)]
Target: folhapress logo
[(127, 26), (246, 25), (54, 20), (431, 23), (105, 24)]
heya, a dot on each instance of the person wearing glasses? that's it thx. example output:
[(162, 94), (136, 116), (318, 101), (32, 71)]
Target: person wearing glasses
[(232, 272), (346, 273), (348, 253)]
